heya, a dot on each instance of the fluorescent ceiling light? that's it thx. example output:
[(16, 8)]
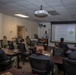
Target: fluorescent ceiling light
[(21, 15)]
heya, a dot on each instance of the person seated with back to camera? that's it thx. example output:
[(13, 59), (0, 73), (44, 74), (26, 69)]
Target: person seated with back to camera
[(72, 55), (64, 46), (22, 47), (28, 40), (40, 54), (5, 57)]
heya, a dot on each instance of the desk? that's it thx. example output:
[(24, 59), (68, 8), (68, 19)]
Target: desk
[(69, 48), (15, 71), (11, 53), (58, 60)]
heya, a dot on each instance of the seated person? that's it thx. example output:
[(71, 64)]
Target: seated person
[(5, 57), (39, 54), (63, 45), (44, 41), (72, 55), (28, 41), (36, 36), (5, 42), (12, 44), (22, 48)]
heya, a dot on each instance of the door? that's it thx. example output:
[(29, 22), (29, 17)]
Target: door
[(21, 31)]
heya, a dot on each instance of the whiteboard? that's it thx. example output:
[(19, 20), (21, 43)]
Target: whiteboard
[(66, 31)]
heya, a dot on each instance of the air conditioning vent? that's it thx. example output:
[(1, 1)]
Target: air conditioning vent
[(53, 13)]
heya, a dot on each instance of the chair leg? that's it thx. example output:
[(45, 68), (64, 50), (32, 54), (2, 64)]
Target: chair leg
[(52, 72)]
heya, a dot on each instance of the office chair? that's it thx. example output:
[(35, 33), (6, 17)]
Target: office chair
[(10, 43), (69, 67), (5, 63), (58, 51), (40, 66), (24, 53)]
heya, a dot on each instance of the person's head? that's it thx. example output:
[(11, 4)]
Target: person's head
[(39, 49), (22, 41), (45, 32), (27, 36), (4, 37), (61, 39)]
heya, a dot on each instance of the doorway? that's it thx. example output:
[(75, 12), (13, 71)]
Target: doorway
[(21, 31)]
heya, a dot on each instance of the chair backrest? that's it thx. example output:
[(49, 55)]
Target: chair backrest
[(2, 54), (69, 66), (10, 43), (22, 47), (39, 66), (58, 51)]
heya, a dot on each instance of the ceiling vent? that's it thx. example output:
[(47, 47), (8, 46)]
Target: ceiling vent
[(53, 13)]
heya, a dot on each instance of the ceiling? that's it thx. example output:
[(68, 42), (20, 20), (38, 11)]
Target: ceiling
[(59, 10)]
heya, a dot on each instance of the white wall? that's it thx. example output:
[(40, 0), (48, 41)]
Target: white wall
[(9, 23), (1, 24)]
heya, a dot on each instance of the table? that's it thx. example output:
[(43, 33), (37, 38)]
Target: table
[(11, 53), (69, 48), (15, 71), (58, 60)]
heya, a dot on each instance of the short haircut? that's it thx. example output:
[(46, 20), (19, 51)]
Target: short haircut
[(22, 40), (62, 39)]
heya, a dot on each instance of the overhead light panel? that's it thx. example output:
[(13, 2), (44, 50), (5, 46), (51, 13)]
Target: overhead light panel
[(21, 15)]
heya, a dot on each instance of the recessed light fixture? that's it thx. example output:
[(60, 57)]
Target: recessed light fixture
[(21, 15)]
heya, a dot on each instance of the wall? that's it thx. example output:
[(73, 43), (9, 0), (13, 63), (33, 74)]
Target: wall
[(1, 24), (8, 26)]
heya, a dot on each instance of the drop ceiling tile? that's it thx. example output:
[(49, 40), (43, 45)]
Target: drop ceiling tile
[(24, 3), (38, 2), (54, 4), (69, 2), (48, 9), (60, 8), (51, 1)]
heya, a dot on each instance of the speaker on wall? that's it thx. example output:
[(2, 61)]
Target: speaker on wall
[(44, 25), (40, 25)]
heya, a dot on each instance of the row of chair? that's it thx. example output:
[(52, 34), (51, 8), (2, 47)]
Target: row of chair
[(41, 67), (68, 66)]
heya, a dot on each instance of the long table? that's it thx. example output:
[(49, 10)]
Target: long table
[(11, 53), (58, 60)]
